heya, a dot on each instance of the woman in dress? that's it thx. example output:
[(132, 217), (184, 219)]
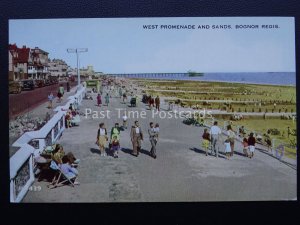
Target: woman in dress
[(102, 138)]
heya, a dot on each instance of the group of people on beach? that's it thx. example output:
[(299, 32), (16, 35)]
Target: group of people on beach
[(211, 137), (136, 136)]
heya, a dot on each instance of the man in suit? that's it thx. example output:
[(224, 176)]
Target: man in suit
[(136, 136)]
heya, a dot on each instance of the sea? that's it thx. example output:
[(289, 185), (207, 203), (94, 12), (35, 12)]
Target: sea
[(270, 78)]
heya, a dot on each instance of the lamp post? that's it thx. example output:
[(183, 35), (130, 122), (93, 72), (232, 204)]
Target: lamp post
[(77, 51)]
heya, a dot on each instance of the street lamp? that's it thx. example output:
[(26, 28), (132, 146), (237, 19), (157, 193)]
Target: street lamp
[(77, 51)]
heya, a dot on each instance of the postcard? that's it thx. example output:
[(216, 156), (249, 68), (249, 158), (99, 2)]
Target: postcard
[(182, 109)]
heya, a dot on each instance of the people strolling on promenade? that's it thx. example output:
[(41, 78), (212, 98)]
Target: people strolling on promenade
[(245, 147), (124, 118), (157, 103), (215, 133), (99, 100), (157, 130), (206, 140), (107, 99), (115, 139), (231, 137), (120, 92), (124, 97), (60, 92), (153, 139), (251, 143), (227, 148), (102, 138), (136, 136), (50, 99), (115, 146), (151, 102)]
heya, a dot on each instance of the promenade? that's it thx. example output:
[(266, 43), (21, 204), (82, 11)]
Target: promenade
[(181, 171)]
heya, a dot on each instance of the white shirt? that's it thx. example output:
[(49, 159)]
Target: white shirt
[(137, 130), (125, 117), (215, 130), (102, 131)]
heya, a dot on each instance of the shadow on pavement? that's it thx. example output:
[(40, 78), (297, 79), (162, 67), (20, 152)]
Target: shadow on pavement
[(197, 150), (239, 153), (143, 151), (95, 151), (284, 162), (126, 150)]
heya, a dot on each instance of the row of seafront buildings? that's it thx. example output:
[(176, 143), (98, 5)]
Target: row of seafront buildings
[(26, 63), (34, 63)]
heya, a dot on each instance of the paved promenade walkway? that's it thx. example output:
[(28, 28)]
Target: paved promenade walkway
[(181, 171)]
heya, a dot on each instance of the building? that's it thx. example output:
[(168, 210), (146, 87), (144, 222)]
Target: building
[(18, 62), (58, 68), (38, 64), (87, 72)]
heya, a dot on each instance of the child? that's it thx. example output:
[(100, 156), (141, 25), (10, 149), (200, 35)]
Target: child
[(125, 121), (245, 147), (99, 100), (156, 128), (50, 99), (206, 140), (68, 170), (227, 148), (115, 146), (251, 143)]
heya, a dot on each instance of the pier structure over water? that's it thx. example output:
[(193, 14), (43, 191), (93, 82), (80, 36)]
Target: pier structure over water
[(149, 75)]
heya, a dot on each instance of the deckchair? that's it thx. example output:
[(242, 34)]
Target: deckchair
[(60, 178)]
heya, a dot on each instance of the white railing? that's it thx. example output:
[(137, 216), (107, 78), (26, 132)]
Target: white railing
[(32, 144)]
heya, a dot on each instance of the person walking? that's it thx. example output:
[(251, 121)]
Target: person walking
[(153, 139), (68, 87), (206, 140), (231, 137), (50, 99), (245, 147), (124, 118), (215, 133), (124, 97), (107, 99), (136, 136), (227, 148), (151, 102), (99, 100), (115, 132), (102, 138), (120, 92), (115, 147), (251, 143), (60, 92), (157, 103)]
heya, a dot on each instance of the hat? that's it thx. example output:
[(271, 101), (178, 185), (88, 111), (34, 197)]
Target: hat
[(49, 149)]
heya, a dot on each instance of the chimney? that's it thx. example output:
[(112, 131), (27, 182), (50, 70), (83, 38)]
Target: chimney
[(24, 46)]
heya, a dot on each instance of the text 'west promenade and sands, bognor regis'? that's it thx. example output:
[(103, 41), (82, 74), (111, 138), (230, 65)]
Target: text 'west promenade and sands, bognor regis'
[(208, 27)]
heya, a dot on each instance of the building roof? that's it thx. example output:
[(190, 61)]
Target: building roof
[(22, 53)]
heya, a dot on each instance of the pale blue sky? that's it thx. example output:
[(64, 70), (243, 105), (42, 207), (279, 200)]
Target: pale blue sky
[(122, 45)]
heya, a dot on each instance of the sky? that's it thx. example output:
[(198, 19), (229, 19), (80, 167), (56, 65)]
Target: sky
[(122, 45)]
